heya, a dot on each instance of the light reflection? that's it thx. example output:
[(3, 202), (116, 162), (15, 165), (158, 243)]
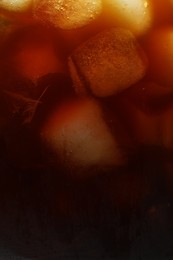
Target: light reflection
[(15, 5), (67, 14), (134, 14)]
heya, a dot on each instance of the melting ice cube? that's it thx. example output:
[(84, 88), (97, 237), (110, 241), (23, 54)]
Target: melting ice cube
[(107, 63), (78, 134), (15, 5), (67, 14), (134, 15)]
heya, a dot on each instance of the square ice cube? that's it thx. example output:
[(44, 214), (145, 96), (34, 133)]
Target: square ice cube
[(107, 63)]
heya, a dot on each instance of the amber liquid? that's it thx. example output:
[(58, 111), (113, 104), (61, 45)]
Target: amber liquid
[(40, 201)]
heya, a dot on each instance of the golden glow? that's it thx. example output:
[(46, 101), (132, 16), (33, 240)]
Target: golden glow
[(15, 5), (110, 62), (79, 135), (146, 4), (132, 14), (67, 14)]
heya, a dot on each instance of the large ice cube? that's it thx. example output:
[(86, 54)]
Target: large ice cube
[(107, 63), (67, 14), (15, 5), (134, 15), (79, 136)]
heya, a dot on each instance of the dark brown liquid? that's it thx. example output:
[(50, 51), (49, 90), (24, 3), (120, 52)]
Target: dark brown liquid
[(42, 206)]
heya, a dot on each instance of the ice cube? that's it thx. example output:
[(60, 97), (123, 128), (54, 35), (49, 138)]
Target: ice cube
[(15, 5), (134, 15), (107, 63), (79, 136), (67, 14)]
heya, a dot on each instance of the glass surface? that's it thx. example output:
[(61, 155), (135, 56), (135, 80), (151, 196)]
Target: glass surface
[(86, 129)]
